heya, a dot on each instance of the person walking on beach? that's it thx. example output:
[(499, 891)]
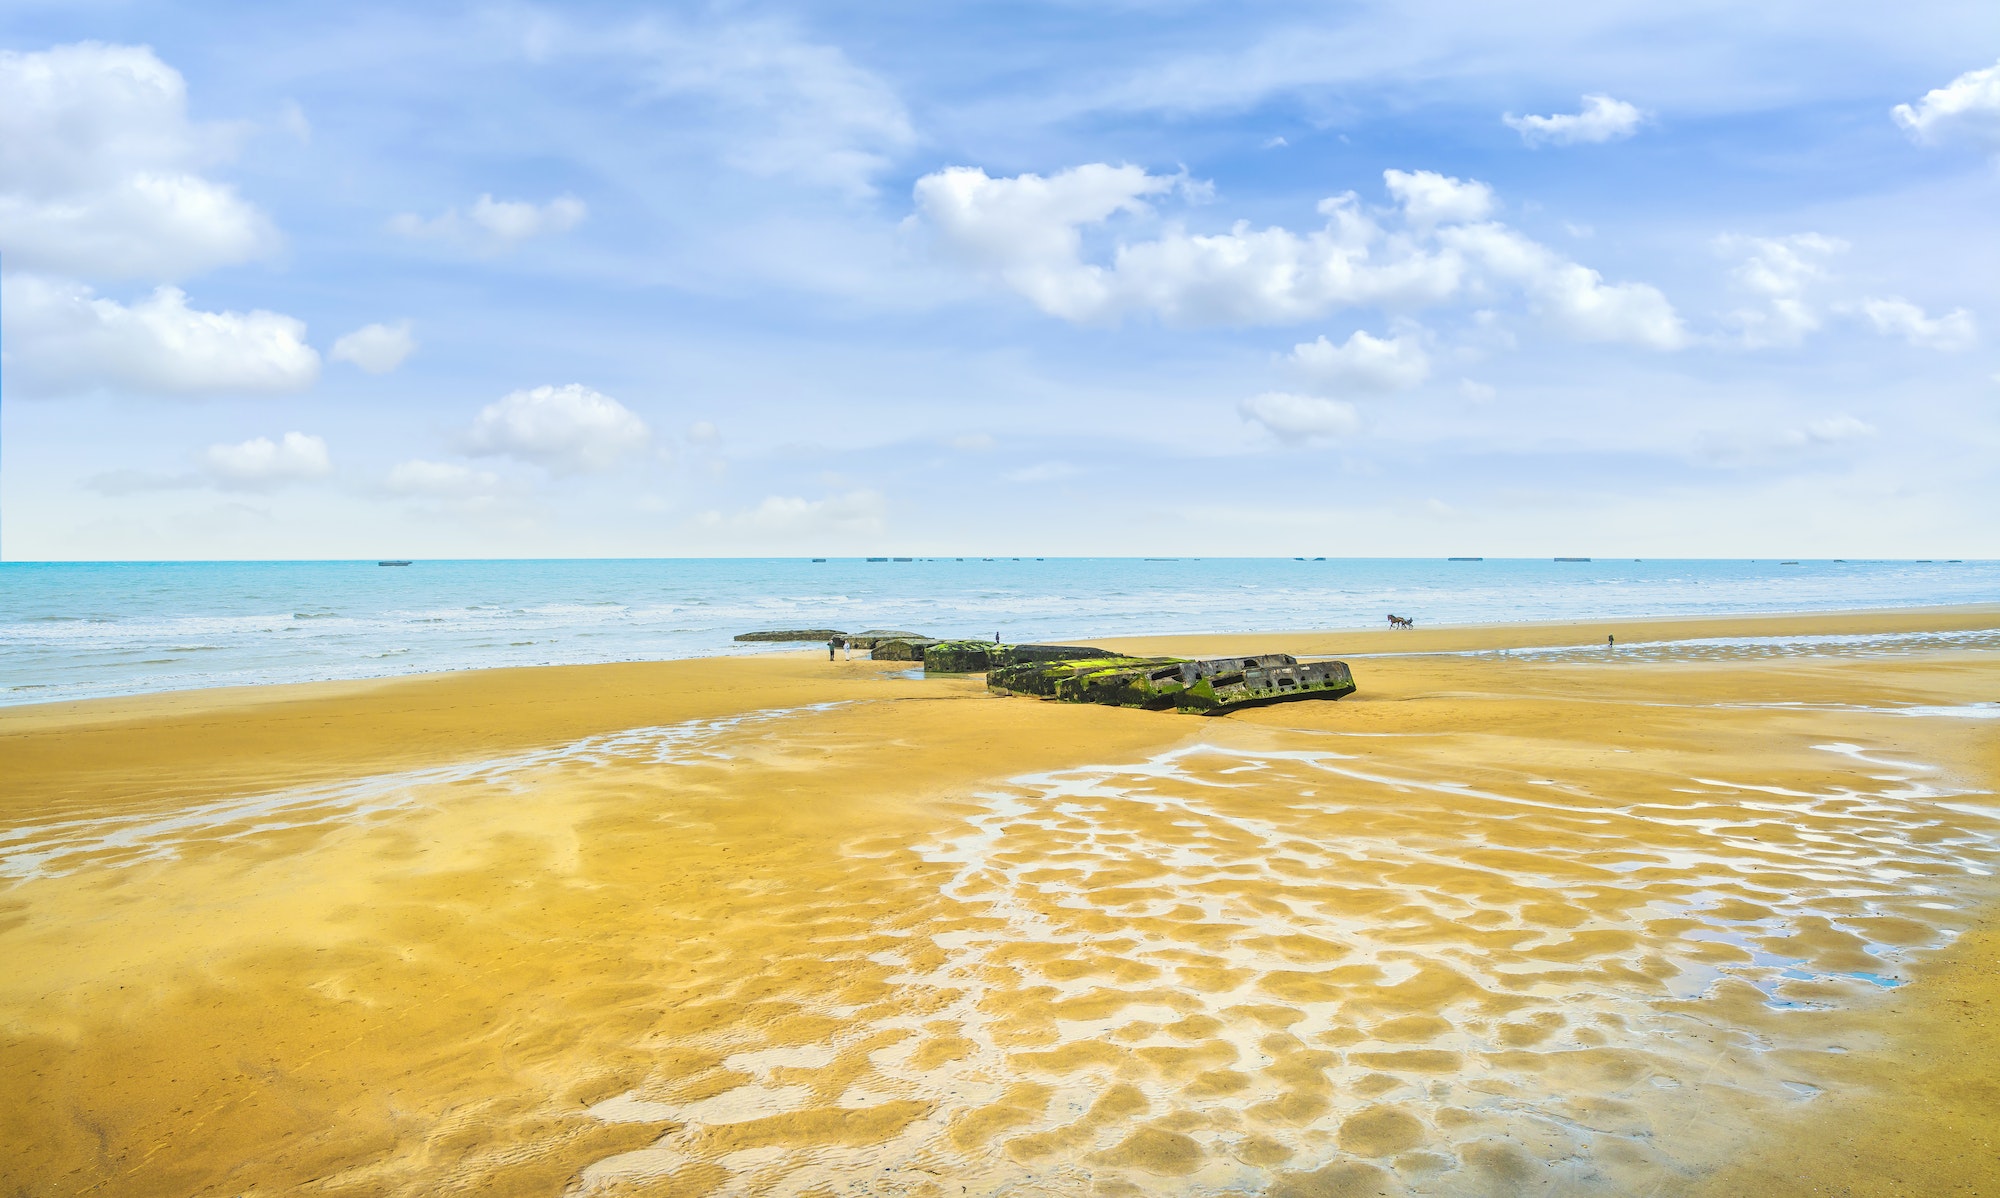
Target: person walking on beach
[(1611, 641)]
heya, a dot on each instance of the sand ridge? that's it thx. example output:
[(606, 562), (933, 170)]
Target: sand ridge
[(1494, 925)]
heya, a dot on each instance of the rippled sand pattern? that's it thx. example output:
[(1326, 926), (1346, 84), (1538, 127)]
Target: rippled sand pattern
[(1226, 969), (61, 846)]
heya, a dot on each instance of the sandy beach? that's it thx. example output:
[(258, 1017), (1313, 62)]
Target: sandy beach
[(1712, 912)]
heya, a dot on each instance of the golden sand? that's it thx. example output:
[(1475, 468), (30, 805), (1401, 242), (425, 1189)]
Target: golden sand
[(1701, 917)]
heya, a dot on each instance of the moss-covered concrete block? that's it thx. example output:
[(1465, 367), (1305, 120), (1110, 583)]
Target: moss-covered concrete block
[(959, 657), (1012, 655), (869, 639), (901, 649), (1213, 686)]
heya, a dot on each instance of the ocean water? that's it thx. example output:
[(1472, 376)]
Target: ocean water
[(80, 630)]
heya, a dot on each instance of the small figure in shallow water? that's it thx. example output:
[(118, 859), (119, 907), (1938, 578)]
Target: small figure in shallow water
[(1611, 642)]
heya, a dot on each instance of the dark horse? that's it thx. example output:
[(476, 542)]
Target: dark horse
[(1396, 621)]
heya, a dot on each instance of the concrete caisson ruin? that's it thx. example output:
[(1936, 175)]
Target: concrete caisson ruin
[(978, 657), (782, 635), (1211, 686), (905, 648), (1087, 674), (876, 636)]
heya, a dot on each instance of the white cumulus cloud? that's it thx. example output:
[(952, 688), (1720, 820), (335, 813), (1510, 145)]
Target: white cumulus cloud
[(1363, 363), (261, 464), (1894, 316), (1292, 417), (1573, 297), (1602, 119), (375, 348), (62, 338), (99, 170), (1429, 198), (496, 225), (1027, 232), (1969, 104), (1782, 272), (1028, 229), (569, 429)]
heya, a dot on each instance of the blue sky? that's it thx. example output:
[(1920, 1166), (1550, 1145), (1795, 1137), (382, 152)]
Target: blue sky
[(1144, 278)]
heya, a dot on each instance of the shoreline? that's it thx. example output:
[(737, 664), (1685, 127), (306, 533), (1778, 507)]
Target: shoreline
[(1557, 634), (1371, 641), (533, 954)]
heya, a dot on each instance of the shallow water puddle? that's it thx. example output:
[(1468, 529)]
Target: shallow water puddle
[(53, 849), (1753, 648), (1241, 970)]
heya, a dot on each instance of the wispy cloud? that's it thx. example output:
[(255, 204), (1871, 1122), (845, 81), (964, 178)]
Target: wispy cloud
[(1602, 119), (495, 226)]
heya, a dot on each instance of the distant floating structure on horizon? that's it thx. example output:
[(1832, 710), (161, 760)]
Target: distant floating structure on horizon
[(819, 559), (1470, 559), (1572, 559), (392, 563)]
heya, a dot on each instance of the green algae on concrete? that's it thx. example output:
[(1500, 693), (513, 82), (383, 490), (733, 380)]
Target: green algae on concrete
[(874, 637), (902, 649), (959, 657), (1211, 686), (975, 657)]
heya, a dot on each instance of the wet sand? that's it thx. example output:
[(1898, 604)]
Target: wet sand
[(1708, 916)]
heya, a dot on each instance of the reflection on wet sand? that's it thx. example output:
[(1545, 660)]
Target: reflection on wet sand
[(1498, 925), (1184, 974)]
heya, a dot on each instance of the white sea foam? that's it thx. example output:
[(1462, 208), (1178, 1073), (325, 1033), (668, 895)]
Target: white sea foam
[(74, 631)]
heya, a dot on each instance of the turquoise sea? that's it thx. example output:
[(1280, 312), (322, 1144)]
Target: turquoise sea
[(78, 630)]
